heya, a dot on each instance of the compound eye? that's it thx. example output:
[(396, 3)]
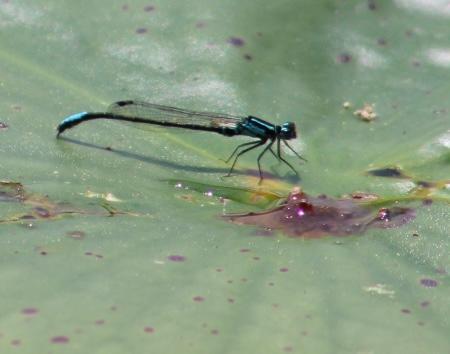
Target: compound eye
[(288, 131)]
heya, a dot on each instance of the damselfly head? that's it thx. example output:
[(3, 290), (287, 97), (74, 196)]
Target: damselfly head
[(288, 131)]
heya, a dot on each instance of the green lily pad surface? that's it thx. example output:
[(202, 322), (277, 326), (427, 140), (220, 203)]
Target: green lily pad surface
[(100, 254)]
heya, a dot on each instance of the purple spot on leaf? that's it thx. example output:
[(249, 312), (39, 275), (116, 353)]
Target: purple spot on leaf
[(176, 258), (284, 270), (30, 311), (428, 283), (149, 8), (3, 126), (59, 339), (214, 332), (244, 250), (406, 311), (100, 322), (236, 41), (198, 298), (16, 342), (141, 30)]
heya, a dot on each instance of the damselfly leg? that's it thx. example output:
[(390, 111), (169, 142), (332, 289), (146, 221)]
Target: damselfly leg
[(282, 159), (254, 146)]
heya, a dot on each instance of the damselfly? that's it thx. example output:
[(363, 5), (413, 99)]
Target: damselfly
[(225, 124)]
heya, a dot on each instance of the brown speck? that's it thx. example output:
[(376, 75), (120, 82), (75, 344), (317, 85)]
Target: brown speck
[(344, 58), (214, 332), (406, 311), (200, 24), (76, 235), (372, 5), (3, 126), (381, 41), (16, 342), (248, 57), (100, 322), (149, 8), (149, 329), (425, 304), (198, 298)]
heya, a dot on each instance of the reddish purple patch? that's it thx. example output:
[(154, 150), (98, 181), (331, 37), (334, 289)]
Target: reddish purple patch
[(16, 342), (428, 283), (30, 311), (406, 311), (425, 304), (288, 349), (141, 30), (236, 41), (3, 126), (214, 332), (284, 270), (198, 298), (176, 258), (149, 8), (149, 329), (244, 250), (60, 340), (100, 322)]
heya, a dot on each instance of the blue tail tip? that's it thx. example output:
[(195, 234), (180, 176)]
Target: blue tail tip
[(70, 121)]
